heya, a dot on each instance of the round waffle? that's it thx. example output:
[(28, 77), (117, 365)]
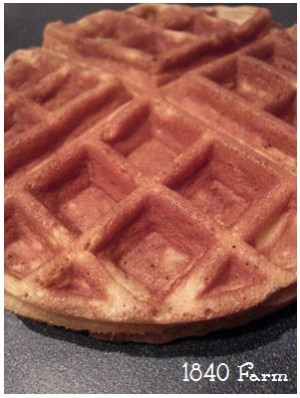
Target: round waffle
[(150, 172)]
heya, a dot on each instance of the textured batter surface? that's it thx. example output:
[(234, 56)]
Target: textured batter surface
[(145, 213)]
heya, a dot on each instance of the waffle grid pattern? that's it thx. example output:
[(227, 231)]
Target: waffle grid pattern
[(149, 209), (149, 46)]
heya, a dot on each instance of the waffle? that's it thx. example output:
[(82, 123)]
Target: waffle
[(150, 45), (161, 202)]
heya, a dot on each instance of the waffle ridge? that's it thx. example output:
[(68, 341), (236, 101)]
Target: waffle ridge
[(161, 203)]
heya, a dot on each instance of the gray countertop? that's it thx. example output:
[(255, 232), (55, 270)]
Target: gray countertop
[(44, 359)]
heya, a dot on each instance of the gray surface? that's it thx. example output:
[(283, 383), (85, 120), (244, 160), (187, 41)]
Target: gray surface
[(42, 359)]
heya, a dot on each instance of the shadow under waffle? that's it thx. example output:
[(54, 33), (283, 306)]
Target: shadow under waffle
[(255, 334)]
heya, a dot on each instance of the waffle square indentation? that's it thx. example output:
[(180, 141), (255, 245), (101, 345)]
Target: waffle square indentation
[(224, 184), (85, 177), (156, 247), (47, 80)]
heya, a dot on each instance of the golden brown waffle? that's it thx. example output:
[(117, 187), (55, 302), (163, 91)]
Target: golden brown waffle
[(230, 94), (156, 215), (152, 44)]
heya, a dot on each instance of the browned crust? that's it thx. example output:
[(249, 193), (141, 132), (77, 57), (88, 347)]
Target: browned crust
[(146, 317), (154, 334)]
